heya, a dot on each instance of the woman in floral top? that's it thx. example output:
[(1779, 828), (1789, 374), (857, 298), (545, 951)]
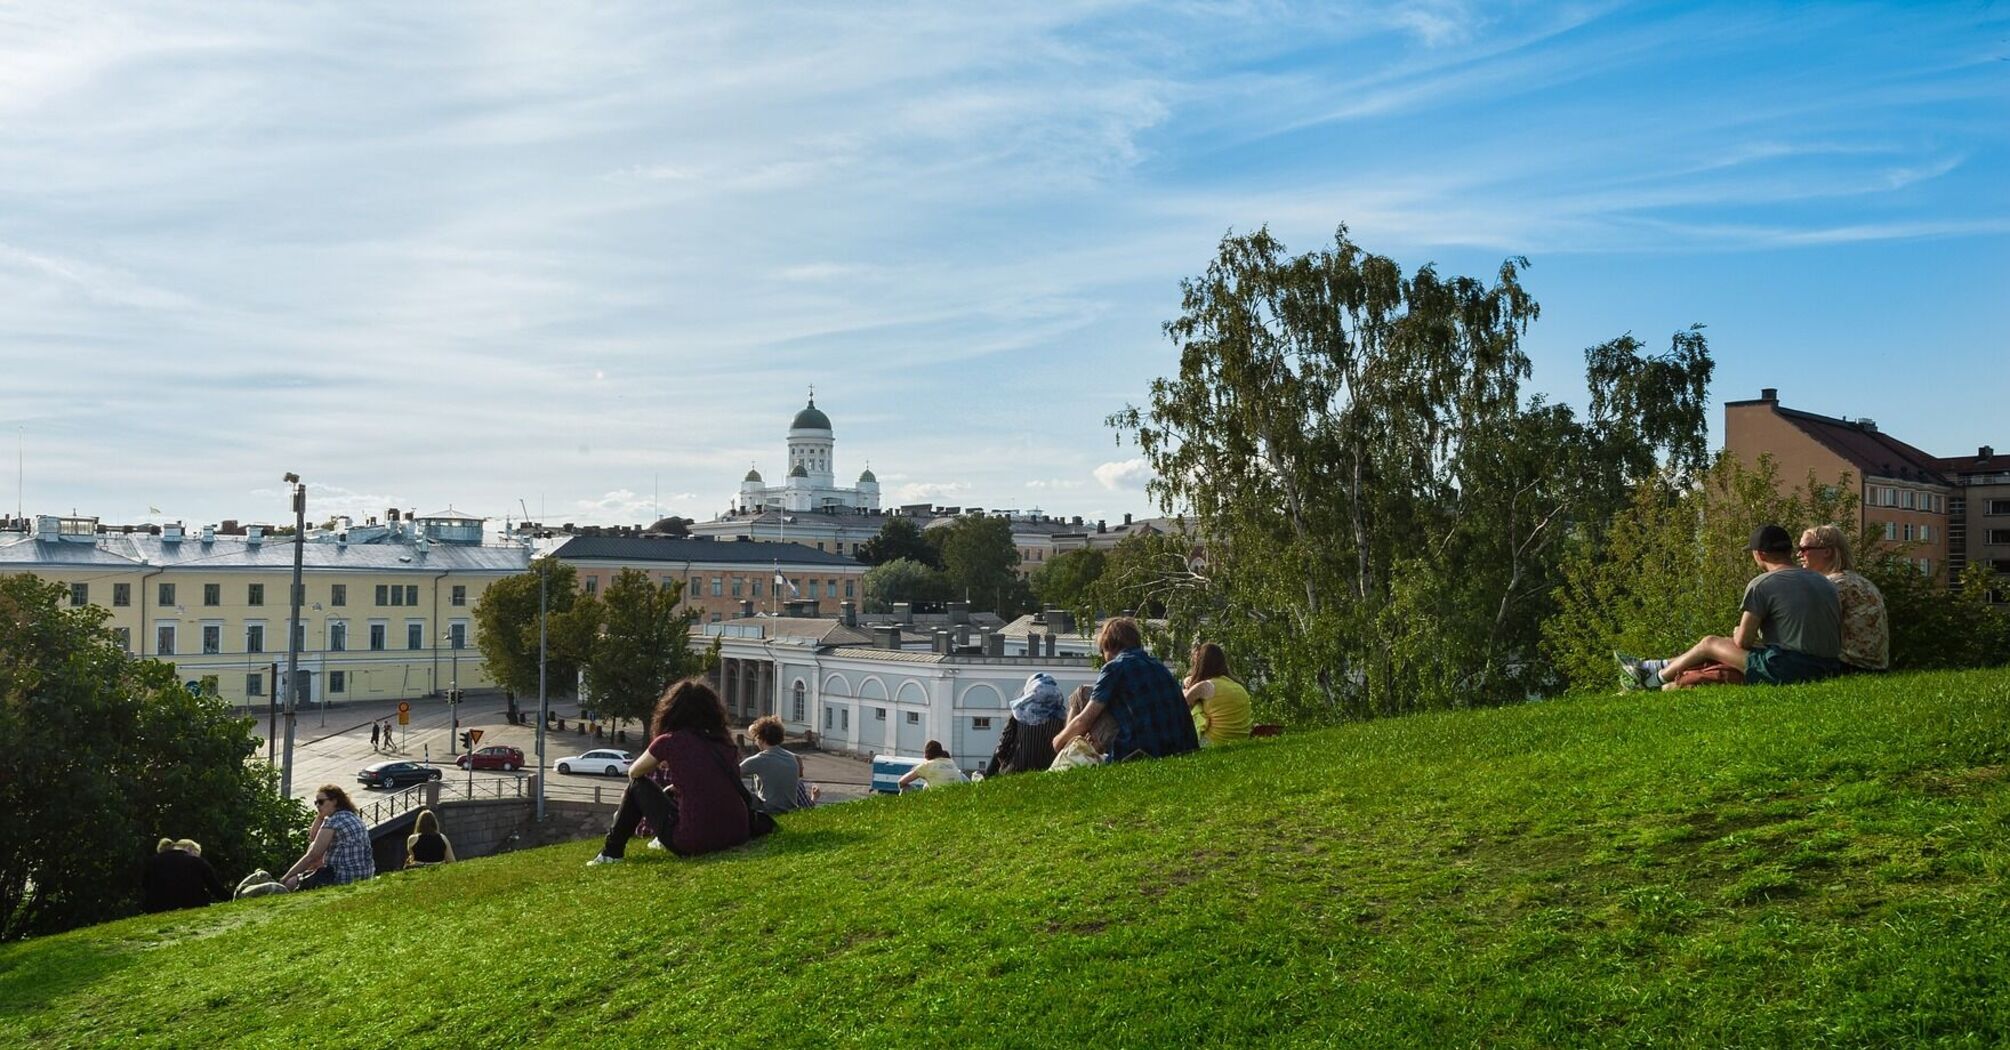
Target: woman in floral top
[(1866, 632)]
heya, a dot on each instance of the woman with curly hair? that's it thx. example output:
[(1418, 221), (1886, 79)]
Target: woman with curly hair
[(706, 808)]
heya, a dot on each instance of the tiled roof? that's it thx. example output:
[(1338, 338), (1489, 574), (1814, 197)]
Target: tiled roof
[(1871, 452), (710, 552), (1996, 464)]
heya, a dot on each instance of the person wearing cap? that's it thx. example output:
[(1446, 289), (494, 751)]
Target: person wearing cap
[(1789, 627), (1038, 715)]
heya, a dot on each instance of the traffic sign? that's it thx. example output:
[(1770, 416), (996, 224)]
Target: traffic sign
[(404, 718), (404, 707), (474, 737)]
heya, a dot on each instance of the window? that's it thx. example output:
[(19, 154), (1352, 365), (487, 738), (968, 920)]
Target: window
[(879, 714), (212, 594), (212, 638), (80, 594), (1995, 506), (593, 585), (1891, 497), (457, 636), (980, 723), (1926, 566), (739, 584), (300, 636), (844, 719), (383, 595), (914, 718), (1890, 530), (1926, 533), (255, 594), (125, 637), (338, 637), (166, 595), (848, 589), (122, 594), (338, 594), (377, 633), (829, 714), (796, 703), (254, 685), (1998, 536), (254, 638), (830, 588), (755, 585), (718, 587), (1907, 530), (164, 638), (697, 587), (460, 595), (397, 595), (411, 594), (338, 681), (415, 635), (1909, 494)]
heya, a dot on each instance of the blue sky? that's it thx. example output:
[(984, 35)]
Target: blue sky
[(591, 255)]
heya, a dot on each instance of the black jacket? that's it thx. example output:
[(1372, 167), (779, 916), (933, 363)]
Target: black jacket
[(174, 879), (1023, 748)]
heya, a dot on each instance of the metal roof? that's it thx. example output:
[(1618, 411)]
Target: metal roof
[(275, 553), (709, 552)]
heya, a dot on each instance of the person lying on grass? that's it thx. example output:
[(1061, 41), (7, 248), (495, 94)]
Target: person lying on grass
[(707, 808), (1789, 630), (1151, 712), (936, 770)]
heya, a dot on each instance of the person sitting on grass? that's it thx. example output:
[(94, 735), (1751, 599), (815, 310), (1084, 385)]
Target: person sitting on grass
[(1151, 713), (176, 876), (1866, 631), (936, 769), (1038, 715), (1789, 630), (707, 808), (1220, 703), (777, 771), (426, 846), (338, 849)]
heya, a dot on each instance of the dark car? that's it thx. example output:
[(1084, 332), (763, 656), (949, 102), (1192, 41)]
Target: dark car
[(501, 756), (397, 774)]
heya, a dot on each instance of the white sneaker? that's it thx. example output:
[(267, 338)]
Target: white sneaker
[(657, 844), (603, 858)]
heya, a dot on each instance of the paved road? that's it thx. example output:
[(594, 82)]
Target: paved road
[(331, 745)]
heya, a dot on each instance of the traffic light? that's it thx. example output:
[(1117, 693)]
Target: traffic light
[(466, 744)]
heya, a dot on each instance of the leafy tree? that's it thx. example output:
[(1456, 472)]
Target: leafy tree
[(903, 580), (982, 563), (900, 538), (642, 645), (1063, 582), (1380, 513), (506, 628), (101, 755)]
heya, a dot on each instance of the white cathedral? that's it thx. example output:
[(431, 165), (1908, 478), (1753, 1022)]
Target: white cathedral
[(810, 485)]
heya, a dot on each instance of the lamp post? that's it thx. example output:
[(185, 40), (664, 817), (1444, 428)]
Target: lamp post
[(293, 633), (454, 690)]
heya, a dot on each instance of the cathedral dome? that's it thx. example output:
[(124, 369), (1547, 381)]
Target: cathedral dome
[(797, 471), (752, 475), (867, 477), (811, 418)]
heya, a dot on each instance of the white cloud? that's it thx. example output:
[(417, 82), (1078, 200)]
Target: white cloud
[(931, 492), (1124, 475), (1054, 483)]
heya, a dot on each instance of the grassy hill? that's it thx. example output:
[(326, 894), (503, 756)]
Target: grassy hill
[(1812, 866)]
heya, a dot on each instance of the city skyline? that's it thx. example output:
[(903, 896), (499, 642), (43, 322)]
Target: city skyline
[(463, 256)]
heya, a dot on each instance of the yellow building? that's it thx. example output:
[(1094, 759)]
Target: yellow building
[(390, 618)]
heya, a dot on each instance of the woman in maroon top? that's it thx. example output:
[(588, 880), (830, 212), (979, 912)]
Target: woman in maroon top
[(706, 807)]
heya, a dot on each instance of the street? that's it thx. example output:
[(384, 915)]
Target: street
[(331, 745)]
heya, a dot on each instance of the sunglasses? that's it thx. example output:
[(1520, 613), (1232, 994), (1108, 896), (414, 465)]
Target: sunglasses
[(1812, 547), (319, 801)]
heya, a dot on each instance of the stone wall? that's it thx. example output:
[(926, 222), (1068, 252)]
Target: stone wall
[(484, 827)]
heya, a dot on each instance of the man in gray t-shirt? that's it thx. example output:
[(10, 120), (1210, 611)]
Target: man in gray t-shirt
[(1789, 629), (776, 771)]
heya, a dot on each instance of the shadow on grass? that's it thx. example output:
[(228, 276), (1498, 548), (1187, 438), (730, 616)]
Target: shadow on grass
[(38, 973)]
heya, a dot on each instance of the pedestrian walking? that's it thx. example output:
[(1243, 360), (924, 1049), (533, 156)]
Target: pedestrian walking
[(374, 729)]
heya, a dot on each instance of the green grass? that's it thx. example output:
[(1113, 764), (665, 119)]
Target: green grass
[(1812, 866)]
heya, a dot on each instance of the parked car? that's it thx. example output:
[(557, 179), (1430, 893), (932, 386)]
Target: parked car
[(600, 761), (501, 756), (397, 774)]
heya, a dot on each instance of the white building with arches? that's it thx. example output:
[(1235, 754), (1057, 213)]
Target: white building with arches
[(871, 695)]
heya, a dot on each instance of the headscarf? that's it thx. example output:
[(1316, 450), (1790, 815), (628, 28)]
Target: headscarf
[(1041, 702)]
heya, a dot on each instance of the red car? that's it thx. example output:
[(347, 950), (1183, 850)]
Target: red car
[(501, 756)]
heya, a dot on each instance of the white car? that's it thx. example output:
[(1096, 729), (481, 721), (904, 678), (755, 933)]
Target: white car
[(599, 761)]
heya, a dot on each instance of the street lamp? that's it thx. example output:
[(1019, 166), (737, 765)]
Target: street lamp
[(293, 633)]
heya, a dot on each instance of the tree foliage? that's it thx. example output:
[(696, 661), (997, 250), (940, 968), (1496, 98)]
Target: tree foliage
[(1063, 581), (101, 755), (982, 564), (903, 580), (506, 628), (1380, 513), (641, 645), (900, 538)]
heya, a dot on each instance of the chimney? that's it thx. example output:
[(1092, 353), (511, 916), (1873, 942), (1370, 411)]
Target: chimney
[(994, 643), (171, 533), (962, 635), (959, 612), (1061, 621), (886, 637), (229, 527), (903, 612), (1050, 646), (254, 535), (1770, 393), (1867, 425), (391, 514), (209, 534), (1127, 521), (1102, 526), (342, 540), (1032, 643), (848, 613), (944, 643), (1984, 452)]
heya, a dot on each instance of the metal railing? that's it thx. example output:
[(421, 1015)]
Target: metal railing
[(395, 805), (474, 789)]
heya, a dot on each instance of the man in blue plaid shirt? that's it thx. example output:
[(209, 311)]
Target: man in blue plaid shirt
[(1143, 696)]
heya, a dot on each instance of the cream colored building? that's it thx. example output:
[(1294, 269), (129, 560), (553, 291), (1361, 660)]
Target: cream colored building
[(391, 618)]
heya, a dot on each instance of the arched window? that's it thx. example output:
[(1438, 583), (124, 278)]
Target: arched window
[(796, 698)]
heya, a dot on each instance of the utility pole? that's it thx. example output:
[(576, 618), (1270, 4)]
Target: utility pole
[(543, 697), (293, 630)]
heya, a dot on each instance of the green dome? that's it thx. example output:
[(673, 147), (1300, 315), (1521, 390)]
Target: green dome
[(867, 476), (797, 471), (752, 475), (811, 418)]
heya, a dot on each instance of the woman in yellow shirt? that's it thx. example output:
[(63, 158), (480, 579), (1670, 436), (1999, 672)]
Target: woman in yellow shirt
[(1220, 703)]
